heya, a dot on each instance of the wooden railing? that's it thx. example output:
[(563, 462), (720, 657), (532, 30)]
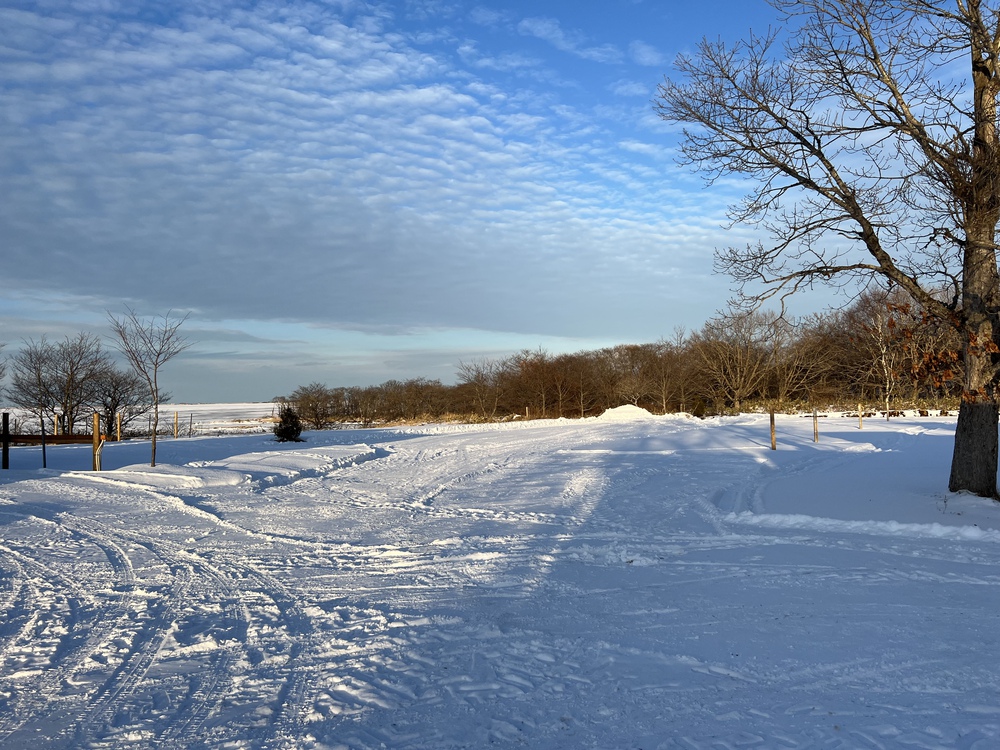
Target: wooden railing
[(7, 438)]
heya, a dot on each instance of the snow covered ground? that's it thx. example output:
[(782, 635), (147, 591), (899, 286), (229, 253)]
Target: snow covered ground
[(191, 419), (611, 583), (217, 419)]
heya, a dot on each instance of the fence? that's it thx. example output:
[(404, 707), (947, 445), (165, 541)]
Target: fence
[(7, 438)]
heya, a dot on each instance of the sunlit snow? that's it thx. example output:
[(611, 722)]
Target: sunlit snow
[(626, 582)]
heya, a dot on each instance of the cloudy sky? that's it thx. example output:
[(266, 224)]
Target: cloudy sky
[(347, 191)]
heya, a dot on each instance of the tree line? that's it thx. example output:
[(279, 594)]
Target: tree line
[(883, 351)]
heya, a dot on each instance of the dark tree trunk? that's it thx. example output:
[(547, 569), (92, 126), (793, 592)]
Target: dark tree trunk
[(974, 463)]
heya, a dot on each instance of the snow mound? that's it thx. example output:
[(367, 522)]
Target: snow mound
[(626, 413), (164, 477), (234, 470), (296, 462)]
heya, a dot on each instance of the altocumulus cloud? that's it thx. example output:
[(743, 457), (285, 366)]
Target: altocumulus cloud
[(197, 156)]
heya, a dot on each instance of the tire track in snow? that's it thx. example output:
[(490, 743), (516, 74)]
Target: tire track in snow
[(195, 584), (117, 636), (83, 625), (211, 588), (434, 475)]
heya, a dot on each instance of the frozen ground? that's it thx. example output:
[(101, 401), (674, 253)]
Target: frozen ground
[(630, 583)]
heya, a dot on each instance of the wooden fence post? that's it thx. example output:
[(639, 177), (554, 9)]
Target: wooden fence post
[(815, 426), (97, 442), (118, 427), (41, 421), (774, 437), (6, 440), (861, 418)]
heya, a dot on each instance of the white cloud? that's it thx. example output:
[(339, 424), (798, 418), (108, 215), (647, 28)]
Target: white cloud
[(645, 54), (631, 88), (648, 149), (486, 16), (550, 30)]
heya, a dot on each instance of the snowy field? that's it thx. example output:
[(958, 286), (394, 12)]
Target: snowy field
[(191, 419), (214, 419), (611, 583)]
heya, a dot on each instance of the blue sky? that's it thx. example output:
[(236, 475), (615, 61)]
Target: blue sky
[(349, 192)]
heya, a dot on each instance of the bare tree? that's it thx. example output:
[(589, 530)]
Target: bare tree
[(31, 386), (734, 356), (77, 366), (422, 397), (315, 403), (562, 381), (487, 380), (585, 383), (872, 154), (366, 403), (799, 364), (933, 354), (670, 371), (121, 394), (58, 379), (877, 336), (532, 380), (632, 380), (147, 345), (809, 366)]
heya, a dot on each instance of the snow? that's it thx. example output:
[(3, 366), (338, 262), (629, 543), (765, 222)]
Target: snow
[(629, 581), (625, 413)]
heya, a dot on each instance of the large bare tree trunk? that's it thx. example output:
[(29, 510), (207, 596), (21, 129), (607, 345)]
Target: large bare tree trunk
[(974, 462)]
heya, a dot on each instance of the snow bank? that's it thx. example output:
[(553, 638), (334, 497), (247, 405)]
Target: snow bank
[(627, 413)]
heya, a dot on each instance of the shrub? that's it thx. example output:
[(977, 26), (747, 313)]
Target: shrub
[(289, 427)]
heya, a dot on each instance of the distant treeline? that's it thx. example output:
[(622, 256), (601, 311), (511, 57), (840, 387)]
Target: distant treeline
[(881, 352)]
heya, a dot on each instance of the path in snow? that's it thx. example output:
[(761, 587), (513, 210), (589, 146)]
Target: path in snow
[(629, 583)]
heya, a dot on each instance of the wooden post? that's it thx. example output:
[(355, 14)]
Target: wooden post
[(6, 440), (774, 437), (97, 442), (176, 417), (861, 418), (44, 463), (815, 427), (118, 427), (191, 424)]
